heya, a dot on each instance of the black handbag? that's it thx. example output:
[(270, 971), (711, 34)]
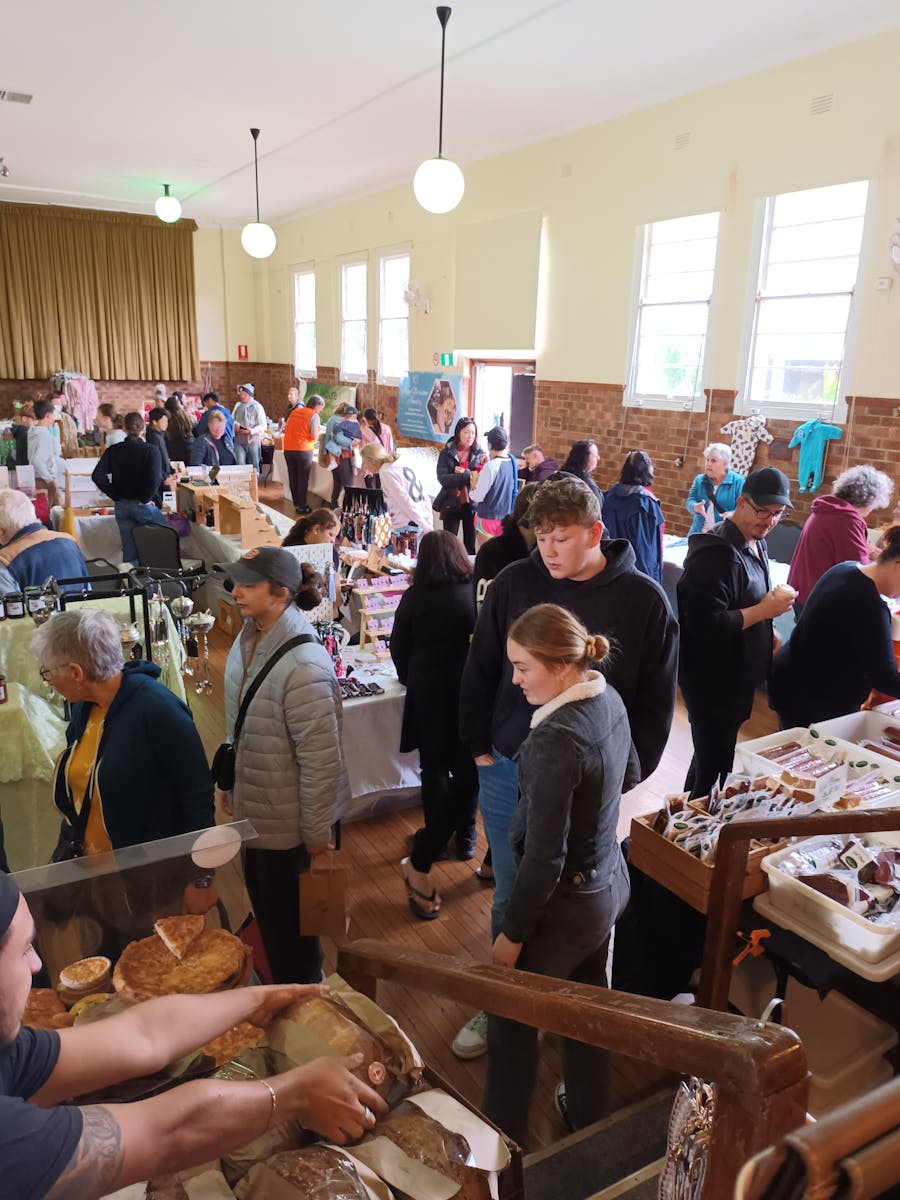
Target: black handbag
[(223, 764)]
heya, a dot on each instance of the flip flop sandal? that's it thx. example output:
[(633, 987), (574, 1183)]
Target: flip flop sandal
[(417, 900)]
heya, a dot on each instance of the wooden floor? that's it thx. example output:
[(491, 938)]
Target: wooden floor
[(374, 848)]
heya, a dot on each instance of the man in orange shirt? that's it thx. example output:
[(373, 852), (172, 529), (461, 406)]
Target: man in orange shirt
[(301, 436)]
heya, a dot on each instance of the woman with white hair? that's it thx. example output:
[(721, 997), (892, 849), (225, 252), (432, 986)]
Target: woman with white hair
[(30, 553), (134, 769), (836, 530), (715, 491)]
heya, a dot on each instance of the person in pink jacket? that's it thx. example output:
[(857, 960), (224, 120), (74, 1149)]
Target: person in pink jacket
[(836, 530)]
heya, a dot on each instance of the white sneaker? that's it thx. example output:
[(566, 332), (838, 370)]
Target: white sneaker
[(471, 1041)]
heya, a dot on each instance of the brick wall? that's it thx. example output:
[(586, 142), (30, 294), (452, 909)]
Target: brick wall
[(565, 412)]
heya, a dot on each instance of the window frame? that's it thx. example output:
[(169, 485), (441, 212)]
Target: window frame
[(632, 398), (762, 235), (361, 260), (388, 256), (296, 271)]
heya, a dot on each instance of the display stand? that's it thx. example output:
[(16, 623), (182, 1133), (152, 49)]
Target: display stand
[(244, 518), (378, 603)]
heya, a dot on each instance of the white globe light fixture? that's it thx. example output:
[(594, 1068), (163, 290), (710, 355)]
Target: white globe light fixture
[(439, 184), (257, 238), (167, 207)]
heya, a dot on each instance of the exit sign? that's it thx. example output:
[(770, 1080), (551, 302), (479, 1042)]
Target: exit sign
[(446, 360)]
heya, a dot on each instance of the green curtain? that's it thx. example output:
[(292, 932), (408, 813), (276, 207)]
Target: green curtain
[(110, 295)]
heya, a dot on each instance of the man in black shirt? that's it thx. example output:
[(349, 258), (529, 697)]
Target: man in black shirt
[(51, 1149), (157, 424), (131, 474), (726, 606)]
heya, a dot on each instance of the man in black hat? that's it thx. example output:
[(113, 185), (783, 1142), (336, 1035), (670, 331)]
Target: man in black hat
[(726, 605), (51, 1149)]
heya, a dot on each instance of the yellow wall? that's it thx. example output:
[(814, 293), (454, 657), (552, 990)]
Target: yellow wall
[(748, 139)]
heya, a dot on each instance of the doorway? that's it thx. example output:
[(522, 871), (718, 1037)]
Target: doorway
[(503, 394)]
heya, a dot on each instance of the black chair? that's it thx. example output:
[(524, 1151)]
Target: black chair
[(158, 549), (781, 542)]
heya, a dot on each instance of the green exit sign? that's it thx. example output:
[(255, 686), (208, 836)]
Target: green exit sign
[(446, 360)]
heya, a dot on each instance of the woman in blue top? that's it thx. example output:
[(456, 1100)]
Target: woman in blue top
[(714, 493), (631, 511)]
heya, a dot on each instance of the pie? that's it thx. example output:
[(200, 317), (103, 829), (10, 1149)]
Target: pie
[(41, 1006), (87, 975), (214, 962), (179, 933), (232, 1042)]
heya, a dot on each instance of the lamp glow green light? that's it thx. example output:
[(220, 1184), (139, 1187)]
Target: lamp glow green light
[(167, 207)]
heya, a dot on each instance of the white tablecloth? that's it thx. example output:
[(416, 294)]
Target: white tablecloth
[(320, 480)]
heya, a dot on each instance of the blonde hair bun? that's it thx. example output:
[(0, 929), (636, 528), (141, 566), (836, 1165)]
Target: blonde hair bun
[(596, 647)]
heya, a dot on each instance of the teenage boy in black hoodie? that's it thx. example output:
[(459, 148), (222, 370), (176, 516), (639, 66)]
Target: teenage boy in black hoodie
[(599, 582)]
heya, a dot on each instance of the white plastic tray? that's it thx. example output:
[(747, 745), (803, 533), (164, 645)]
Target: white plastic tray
[(858, 726), (861, 761), (878, 972)]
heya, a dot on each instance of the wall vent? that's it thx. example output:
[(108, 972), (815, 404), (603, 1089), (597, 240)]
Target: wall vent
[(15, 97), (819, 105), (682, 141)]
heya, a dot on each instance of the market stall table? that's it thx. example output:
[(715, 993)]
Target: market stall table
[(32, 732), (320, 479)]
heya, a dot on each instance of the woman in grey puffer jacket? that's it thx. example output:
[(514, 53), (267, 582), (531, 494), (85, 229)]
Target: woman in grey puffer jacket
[(290, 774), (571, 882)]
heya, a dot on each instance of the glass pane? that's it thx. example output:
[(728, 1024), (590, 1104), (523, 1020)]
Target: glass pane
[(394, 348), (821, 204), (305, 296), (679, 319), (685, 285), (353, 292), (685, 229), (493, 385), (353, 348), (828, 239), (394, 282), (828, 275), (682, 256), (818, 314), (305, 346), (669, 366)]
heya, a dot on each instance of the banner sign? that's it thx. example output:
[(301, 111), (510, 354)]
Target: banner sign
[(429, 405)]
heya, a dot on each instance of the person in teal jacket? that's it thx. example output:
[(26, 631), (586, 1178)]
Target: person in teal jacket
[(148, 776), (714, 493)]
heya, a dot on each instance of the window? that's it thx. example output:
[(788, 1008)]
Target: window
[(808, 266), (305, 323), (354, 359), (393, 317), (677, 268)]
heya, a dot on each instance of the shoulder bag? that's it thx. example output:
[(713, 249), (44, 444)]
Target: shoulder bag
[(222, 770)]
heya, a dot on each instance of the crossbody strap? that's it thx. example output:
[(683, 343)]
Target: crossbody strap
[(711, 494), (301, 640)]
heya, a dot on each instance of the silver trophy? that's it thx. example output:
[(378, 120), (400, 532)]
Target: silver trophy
[(181, 608), (199, 624), (130, 637)]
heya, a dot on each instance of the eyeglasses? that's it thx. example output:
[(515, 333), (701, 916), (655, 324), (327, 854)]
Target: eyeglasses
[(766, 513), (46, 672)]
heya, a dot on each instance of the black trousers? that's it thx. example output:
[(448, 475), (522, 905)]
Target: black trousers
[(571, 942), (449, 803), (273, 882), (343, 478), (714, 730), (464, 515), (299, 465)]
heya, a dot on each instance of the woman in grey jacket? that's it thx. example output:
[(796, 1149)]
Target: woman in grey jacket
[(572, 883), (290, 774)]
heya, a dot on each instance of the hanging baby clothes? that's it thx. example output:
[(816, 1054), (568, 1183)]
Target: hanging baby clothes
[(746, 434), (812, 437)]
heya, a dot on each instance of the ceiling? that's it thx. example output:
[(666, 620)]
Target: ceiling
[(127, 96)]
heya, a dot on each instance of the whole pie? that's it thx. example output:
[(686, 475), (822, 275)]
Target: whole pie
[(214, 962)]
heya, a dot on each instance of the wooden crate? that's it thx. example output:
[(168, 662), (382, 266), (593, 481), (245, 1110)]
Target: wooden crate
[(683, 874)]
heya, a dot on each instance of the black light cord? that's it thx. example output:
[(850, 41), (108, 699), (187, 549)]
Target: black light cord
[(254, 133), (443, 12)]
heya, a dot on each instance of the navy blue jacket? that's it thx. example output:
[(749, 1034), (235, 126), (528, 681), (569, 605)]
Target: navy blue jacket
[(207, 452), (151, 768), (201, 426), (54, 554), (632, 512)]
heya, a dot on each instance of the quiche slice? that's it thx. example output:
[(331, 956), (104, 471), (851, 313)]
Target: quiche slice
[(179, 933)]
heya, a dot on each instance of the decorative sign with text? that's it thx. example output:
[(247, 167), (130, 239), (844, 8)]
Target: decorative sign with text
[(429, 405)]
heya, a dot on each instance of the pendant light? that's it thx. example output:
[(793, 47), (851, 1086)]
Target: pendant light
[(439, 183), (167, 208), (257, 238)]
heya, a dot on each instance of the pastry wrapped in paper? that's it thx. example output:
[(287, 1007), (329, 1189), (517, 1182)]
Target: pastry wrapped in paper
[(316, 1173), (335, 1026), (424, 1140)]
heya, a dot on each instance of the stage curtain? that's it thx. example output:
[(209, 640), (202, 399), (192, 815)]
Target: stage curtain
[(110, 295)]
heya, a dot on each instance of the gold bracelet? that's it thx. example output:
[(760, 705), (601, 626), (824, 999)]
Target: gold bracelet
[(271, 1092)]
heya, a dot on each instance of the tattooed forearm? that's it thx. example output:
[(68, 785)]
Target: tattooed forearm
[(94, 1167)]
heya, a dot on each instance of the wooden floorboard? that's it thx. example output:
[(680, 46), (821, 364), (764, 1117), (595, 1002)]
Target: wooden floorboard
[(373, 849)]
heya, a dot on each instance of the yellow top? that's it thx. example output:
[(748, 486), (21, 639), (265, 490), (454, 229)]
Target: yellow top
[(80, 770)]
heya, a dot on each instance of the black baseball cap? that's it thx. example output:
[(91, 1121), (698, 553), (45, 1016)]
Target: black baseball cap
[(265, 564), (766, 486)]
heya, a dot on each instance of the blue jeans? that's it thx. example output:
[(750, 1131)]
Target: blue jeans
[(130, 513), (498, 795), (248, 454)]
